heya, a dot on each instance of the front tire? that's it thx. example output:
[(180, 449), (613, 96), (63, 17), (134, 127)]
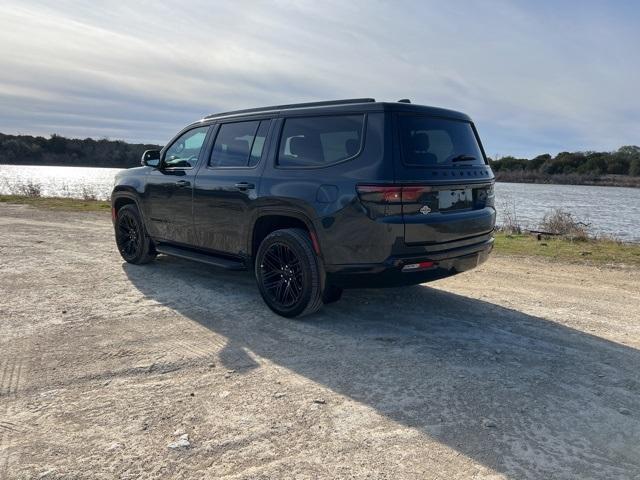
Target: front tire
[(289, 274), (131, 237)]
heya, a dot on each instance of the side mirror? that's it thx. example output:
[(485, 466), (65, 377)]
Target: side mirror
[(151, 158)]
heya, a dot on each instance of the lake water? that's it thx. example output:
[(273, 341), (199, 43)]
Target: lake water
[(611, 211)]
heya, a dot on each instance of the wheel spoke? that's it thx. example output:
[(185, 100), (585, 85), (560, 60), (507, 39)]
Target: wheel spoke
[(273, 283), (287, 290), (297, 286), (281, 274), (272, 274), (276, 252), (294, 263), (282, 254), (279, 292), (271, 264), (289, 256), (127, 246)]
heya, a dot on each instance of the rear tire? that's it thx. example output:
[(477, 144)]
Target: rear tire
[(134, 244), (289, 274)]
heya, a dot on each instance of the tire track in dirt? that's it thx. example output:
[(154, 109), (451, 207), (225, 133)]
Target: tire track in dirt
[(187, 349), (206, 348), (9, 383)]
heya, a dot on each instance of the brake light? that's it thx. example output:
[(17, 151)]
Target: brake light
[(380, 193), (413, 194), (391, 194)]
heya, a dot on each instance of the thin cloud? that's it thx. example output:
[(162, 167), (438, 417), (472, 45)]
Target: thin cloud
[(535, 77)]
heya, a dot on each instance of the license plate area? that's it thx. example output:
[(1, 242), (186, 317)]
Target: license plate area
[(455, 199)]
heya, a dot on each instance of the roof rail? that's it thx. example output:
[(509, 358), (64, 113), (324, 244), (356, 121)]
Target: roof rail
[(294, 105)]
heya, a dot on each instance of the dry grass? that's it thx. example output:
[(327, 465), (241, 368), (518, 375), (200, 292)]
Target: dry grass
[(590, 251), (71, 204), (510, 224), (565, 224), (585, 251), (29, 189)]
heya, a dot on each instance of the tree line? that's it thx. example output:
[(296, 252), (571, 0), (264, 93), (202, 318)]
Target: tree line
[(59, 150), (566, 167), (591, 167)]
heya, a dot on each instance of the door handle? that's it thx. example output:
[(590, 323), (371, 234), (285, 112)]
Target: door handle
[(183, 183), (244, 186)]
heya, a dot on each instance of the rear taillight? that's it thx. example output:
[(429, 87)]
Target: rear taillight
[(391, 194), (491, 197), (412, 194), (379, 193)]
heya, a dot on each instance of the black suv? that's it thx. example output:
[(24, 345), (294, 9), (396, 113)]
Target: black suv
[(314, 198)]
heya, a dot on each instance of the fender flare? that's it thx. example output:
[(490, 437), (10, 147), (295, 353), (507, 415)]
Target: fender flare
[(286, 212), (123, 193)]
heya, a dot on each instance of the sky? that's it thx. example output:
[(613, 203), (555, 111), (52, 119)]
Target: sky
[(536, 77)]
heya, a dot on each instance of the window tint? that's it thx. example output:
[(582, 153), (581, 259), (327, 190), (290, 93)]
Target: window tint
[(239, 144), (435, 141), (318, 141), (184, 152)]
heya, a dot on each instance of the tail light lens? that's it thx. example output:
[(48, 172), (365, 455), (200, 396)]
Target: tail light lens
[(379, 193), (413, 194), (484, 197), (491, 197), (387, 194)]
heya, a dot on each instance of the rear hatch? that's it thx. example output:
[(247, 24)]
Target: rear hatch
[(447, 186)]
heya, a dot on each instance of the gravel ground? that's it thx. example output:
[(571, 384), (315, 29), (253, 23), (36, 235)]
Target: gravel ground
[(519, 369)]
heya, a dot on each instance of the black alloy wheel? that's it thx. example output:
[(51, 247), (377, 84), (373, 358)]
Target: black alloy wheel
[(289, 273), (282, 275), (133, 243), (129, 238)]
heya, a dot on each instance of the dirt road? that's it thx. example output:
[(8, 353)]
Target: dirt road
[(519, 369)]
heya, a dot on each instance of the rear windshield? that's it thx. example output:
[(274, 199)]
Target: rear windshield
[(428, 141)]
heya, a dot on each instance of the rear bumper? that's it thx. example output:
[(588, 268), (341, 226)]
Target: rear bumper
[(390, 273)]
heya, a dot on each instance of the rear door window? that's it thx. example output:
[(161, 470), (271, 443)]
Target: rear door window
[(428, 141), (320, 141), (239, 144)]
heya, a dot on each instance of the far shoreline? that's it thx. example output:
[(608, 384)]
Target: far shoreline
[(623, 181), (632, 183)]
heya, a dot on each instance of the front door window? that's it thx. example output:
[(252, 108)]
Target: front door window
[(184, 152)]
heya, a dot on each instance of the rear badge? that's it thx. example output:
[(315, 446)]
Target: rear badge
[(424, 210)]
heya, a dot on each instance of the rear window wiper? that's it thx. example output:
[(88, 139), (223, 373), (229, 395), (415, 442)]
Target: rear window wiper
[(463, 158)]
